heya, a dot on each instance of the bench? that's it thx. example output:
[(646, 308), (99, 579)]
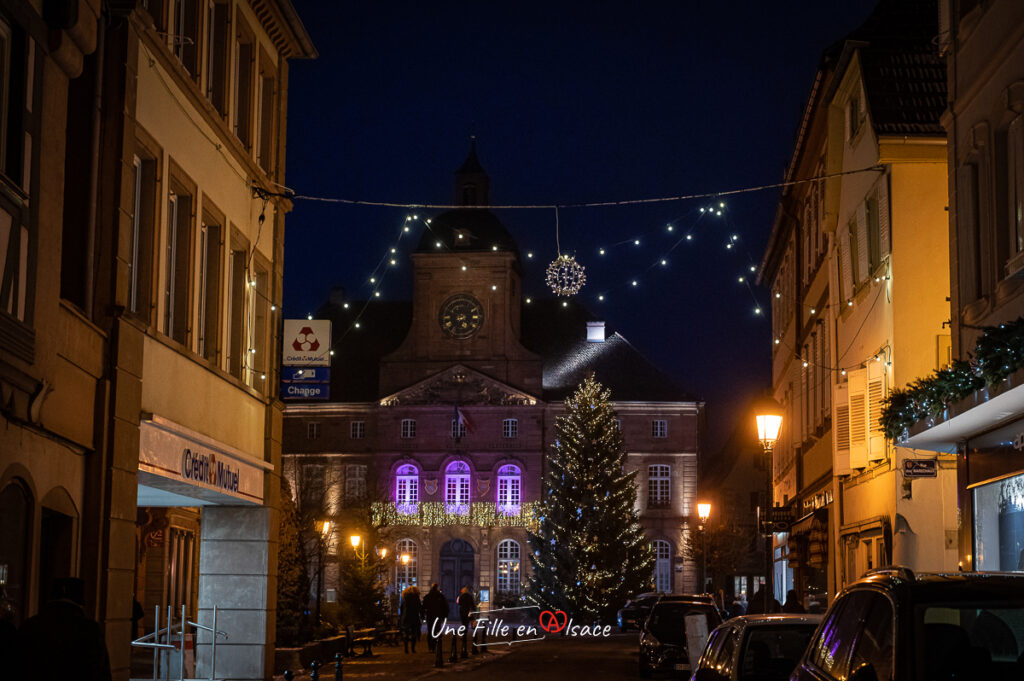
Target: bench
[(364, 637)]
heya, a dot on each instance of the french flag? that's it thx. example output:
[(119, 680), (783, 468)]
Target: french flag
[(463, 420)]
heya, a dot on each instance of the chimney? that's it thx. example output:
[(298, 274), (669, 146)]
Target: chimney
[(595, 332)]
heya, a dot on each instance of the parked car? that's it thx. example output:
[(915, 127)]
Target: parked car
[(756, 648), (893, 624), (675, 633), (635, 611)]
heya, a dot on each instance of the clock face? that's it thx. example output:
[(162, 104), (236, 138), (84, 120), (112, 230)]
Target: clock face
[(461, 316)]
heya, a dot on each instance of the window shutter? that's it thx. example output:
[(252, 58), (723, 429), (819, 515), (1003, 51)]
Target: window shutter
[(876, 391), (863, 247), (845, 265), (1015, 147), (842, 430), (884, 239), (966, 231), (858, 389)]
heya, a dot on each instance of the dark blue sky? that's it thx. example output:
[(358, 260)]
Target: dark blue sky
[(570, 102)]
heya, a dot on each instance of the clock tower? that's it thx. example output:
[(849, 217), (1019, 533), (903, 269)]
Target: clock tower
[(466, 296)]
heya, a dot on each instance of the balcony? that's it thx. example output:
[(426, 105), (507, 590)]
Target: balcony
[(440, 514)]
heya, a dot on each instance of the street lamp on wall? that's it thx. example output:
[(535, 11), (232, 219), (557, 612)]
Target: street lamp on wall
[(769, 423), (704, 512)]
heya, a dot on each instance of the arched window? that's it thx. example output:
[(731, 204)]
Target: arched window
[(407, 489), (508, 567), (16, 510), (406, 572), (662, 566), (456, 487), (509, 490)]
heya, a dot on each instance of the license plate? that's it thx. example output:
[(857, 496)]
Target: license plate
[(682, 667)]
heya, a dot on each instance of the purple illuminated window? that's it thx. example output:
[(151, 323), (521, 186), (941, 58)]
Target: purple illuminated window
[(407, 489), (509, 490)]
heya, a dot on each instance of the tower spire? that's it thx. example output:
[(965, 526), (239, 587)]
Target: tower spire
[(472, 185)]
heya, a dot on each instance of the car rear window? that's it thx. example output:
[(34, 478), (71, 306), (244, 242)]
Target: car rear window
[(972, 641), (772, 652)]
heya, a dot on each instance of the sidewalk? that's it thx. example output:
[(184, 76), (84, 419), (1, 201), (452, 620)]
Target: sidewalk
[(389, 662)]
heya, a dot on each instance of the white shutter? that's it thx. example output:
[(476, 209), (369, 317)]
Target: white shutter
[(845, 266), (858, 394), (863, 247), (884, 240), (841, 451), (967, 232), (876, 391)]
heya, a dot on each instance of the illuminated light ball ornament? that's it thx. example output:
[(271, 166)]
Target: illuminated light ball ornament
[(565, 276)]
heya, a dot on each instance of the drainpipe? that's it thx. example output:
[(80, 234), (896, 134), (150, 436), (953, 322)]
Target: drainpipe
[(94, 171)]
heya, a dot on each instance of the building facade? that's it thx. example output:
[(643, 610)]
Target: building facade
[(453, 429), (151, 269), (983, 43), (873, 286)]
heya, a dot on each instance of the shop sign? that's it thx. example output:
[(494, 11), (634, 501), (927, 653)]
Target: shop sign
[(196, 465), (305, 391), (307, 342), (306, 374), (920, 468)]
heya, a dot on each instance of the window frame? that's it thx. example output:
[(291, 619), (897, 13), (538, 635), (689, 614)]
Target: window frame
[(313, 430), (662, 565), (512, 565), (659, 428), (406, 574), (356, 429), (407, 488), (457, 476), (179, 260), (408, 429), (210, 322), (659, 485), (510, 489), (510, 428)]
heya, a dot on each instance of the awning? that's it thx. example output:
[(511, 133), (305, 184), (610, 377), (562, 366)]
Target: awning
[(985, 410)]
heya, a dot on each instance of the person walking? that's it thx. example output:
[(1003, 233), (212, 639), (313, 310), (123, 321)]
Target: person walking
[(467, 604), (410, 616), (435, 609), (793, 603), (756, 606)]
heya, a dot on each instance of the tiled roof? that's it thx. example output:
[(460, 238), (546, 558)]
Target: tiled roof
[(906, 89)]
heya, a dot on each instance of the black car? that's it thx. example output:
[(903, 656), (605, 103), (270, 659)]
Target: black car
[(674, 634), (756, 647), (893, 624), (634, 612)]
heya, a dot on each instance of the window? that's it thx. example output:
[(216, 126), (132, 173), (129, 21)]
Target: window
[(178, 263), (355, 482), (659, 480), (456, 488), (831, 651), (217, 39), (13, 102), (509, 490), (142, 221), (968, 231), (618, 425), (408, 428), (875, 644), (265, 100), (510, 429), (407, 489), (237, 296), (331, 596), (259, 306), (508, 567), (185, 35), (458, 429), (1015, 173), (853, 116), (659, 428), (405, 573), (313, 430), (357, 430), (245, 56), (211, 247), (998, 530), (662, 566)]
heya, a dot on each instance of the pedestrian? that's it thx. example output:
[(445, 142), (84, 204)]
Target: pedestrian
[(467, 604), (793, 603), (435, 609), (410, 616), (756, 606), (137, 616), (62, 642), (739, 607)]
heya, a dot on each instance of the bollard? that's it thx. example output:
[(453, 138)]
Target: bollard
[(314, 671), (438, 649), (288, 675), (337, 667), (455, 648)]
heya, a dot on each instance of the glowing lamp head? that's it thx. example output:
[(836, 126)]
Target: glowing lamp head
[(383, 552), (405, 559), (769, 423), (703, 512), (355, 539)]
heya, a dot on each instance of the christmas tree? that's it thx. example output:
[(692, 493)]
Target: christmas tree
[(588, 552)]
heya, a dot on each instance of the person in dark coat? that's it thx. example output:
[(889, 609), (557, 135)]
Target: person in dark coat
[(410, 617), (435, 607), (467, 604), (756, 606), (61, 642), (793, 603)]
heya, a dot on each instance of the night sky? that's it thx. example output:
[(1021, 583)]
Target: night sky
[(571, 102)]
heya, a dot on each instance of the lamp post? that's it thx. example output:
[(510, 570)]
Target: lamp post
[(404, 559), (355, 540), (769, 422), (704, 512), (324, 528)]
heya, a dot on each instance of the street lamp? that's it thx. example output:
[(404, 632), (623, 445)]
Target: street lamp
[(404, 559), (704, 512), (769, 423), (324, 528), (355, 540)]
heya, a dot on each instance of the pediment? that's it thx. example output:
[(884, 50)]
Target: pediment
[(462, 385)]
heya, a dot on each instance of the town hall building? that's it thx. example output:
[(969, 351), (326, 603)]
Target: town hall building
[(442, 411)]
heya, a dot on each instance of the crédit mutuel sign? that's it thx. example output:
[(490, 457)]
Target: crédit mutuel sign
[(196, 465)]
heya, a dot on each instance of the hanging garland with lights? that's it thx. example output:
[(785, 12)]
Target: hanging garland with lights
[(564, 275), (998, 353), (437, 514)]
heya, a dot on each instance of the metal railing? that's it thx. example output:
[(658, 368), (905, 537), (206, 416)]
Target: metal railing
[(153, 641)]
